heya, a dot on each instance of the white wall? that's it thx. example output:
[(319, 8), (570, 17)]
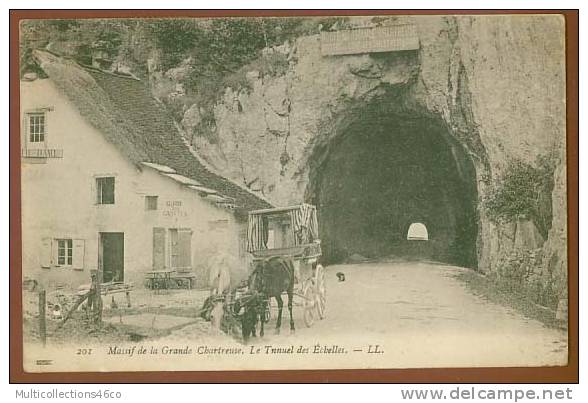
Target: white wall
[(59, 199)]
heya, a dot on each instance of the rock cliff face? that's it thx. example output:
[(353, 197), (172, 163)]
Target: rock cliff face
[(379, 141), (492, 87), (554, 266)]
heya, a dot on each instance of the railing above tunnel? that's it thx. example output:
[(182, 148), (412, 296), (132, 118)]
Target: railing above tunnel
[(391, 38)]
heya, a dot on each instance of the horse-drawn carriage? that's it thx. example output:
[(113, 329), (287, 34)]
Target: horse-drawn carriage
[(286, 249), (292, 233)]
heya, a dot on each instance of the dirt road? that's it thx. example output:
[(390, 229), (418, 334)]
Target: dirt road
[(418, 315), (422, 315)]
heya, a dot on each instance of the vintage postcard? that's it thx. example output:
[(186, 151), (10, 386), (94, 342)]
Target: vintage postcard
[(305, 192)]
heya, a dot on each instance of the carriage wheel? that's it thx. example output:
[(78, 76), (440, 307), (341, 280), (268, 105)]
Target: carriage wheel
[(321, 291), (267, 311), (309, 303)]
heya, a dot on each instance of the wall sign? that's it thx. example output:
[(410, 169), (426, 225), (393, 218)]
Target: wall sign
[(173, 208)]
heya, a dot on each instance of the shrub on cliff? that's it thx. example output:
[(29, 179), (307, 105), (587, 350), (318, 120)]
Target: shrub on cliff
[(523, 190)]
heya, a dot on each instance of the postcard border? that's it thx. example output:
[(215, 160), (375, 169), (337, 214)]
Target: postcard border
[(563, 374)]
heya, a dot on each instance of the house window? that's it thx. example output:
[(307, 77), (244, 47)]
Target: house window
[(105, 190), (64, 252), (151, 202), (36, 127)]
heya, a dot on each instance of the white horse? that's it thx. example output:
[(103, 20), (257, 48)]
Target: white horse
[(219, 273), (219, 281)]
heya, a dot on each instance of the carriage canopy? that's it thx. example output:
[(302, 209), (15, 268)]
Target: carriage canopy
[(282, 227)]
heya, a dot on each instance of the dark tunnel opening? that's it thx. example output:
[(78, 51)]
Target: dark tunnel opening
[(382, 175)]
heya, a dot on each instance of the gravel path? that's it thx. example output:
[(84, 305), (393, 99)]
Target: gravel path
[(420, 315)]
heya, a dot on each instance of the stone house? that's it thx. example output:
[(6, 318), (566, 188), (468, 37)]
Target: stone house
[(108, 183)]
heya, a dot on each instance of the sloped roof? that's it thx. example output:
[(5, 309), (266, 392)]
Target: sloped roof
[(123, 109)]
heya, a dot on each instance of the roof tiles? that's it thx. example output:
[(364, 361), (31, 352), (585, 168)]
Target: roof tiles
[(125, 111)]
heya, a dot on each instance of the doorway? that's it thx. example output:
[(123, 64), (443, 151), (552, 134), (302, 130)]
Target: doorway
[(111, 256)]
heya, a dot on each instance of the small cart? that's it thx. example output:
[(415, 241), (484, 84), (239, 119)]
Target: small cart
[(292, 232)]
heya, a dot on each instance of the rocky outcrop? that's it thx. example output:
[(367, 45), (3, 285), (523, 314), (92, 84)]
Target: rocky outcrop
[(554, 265), (496, 83)]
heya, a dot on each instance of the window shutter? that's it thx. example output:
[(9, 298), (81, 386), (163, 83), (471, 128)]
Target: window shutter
[(78, 254), (174, 248), (46, 252), (25, 132), (54, 247), (158, 248), (98, 191), (45, 121), (185, 248)]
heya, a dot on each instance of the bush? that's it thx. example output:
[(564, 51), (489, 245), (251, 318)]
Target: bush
[(517, 267), (175, 37), (524, 190), (519, 273)]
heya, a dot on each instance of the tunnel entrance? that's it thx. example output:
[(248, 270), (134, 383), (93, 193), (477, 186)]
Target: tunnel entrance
[(384, 173)]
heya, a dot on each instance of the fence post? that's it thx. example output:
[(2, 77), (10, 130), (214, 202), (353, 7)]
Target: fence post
[(97, 278), (42, 317)]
